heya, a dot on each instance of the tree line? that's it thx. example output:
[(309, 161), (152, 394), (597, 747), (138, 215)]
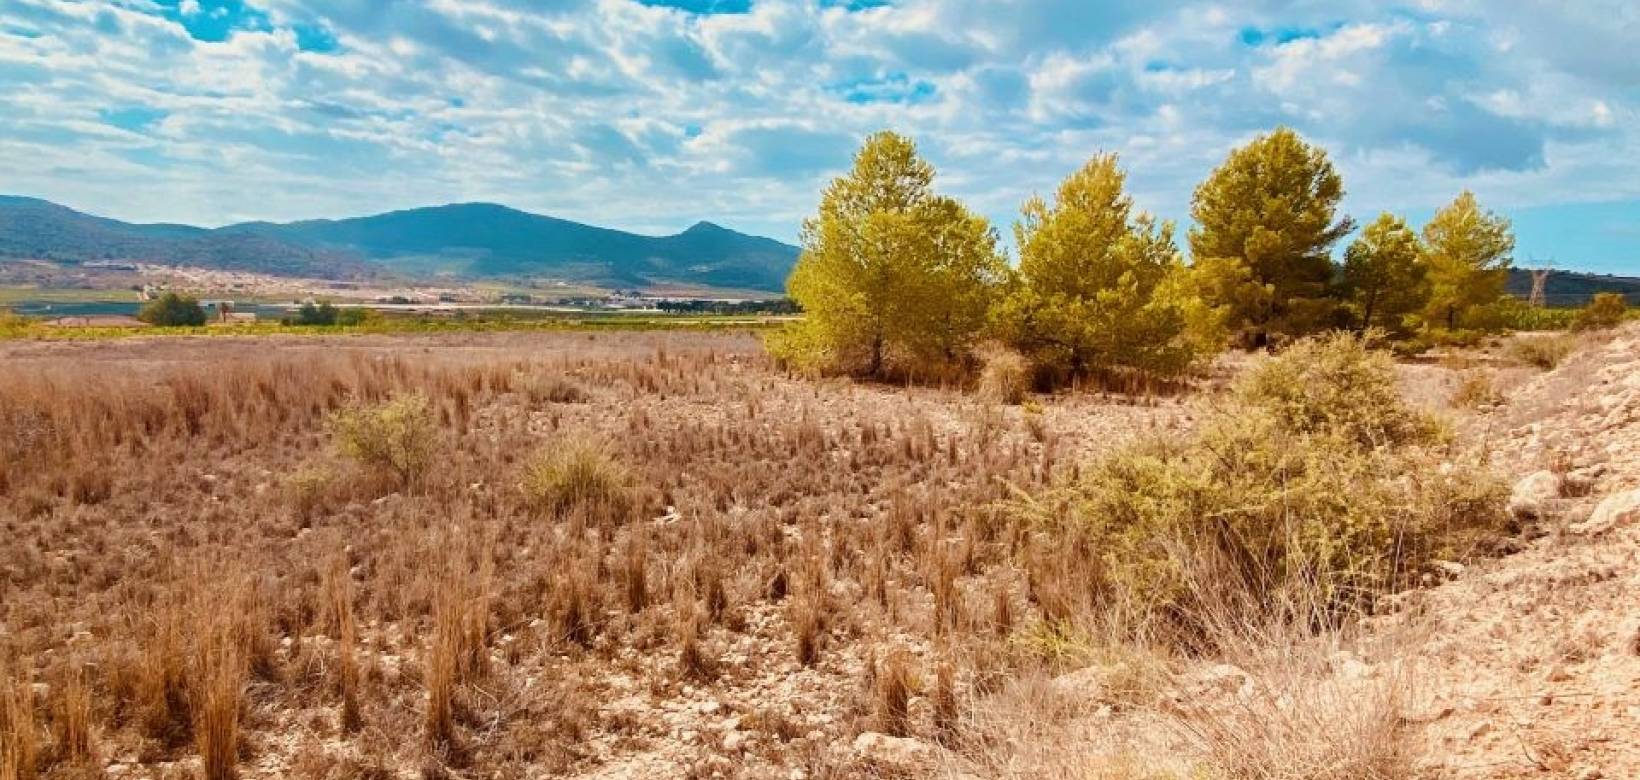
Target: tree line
[(896, 279)]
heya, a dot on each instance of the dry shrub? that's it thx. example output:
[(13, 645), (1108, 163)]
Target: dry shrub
[(1316, 478), (694, 662), (943, 697), (634, 572), (542, 389), (397, 437), (1034, 728), (458, 651), (1606, 310), (579, 476), (443, 662), (808, 627), (161, 681), (1544, 352), (1006, 376), (1476, 389), (221, 692), (573, 609)]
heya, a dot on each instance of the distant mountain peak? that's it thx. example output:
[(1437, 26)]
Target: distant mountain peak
[(707, 227)]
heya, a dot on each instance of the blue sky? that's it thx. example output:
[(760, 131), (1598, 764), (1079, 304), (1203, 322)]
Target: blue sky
[(652, 114)]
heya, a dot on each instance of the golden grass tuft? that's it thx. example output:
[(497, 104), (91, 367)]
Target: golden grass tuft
[(578, 477), (71, 718), (19, 733)]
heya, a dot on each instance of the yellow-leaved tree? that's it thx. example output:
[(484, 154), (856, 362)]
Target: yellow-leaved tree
[(1385, 278), (893, 278), (1265, 226), (1101, 288), (1468, 249)]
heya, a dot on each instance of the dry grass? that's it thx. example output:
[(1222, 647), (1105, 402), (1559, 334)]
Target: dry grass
[(1005, 377), (19, 734), (1543, 352), (1477, 388), (726, 542), (578, 477)]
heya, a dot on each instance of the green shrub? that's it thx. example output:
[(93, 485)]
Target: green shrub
[(1315, 489), (357, 315), (307, 490), (398, 437), (1516, 314), (1334, 384), (172, 310), (580, 476), (309, 314), (1606, 310)]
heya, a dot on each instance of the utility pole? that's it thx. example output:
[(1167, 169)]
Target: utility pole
[(1540, 282)]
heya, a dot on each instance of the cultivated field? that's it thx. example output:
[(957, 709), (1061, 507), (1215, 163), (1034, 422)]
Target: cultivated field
[(655, 555)]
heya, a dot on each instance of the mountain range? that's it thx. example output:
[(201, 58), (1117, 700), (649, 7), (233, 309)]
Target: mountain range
[(465, 240)]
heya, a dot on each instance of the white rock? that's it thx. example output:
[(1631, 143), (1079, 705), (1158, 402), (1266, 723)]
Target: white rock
[(900, 753), (1617, 509), (734, 741), (1531, 496)]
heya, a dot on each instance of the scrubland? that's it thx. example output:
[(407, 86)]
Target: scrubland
[(658, 555)]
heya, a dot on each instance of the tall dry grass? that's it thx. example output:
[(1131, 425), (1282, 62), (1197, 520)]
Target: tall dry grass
[(234, 572)]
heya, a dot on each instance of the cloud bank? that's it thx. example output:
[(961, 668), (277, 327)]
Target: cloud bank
[(649, 115)]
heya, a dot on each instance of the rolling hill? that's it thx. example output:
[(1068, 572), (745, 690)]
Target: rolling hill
[(468, 240), (1575, 288)]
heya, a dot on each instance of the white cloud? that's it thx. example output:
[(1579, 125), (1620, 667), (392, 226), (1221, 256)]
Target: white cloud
[(652, 118)]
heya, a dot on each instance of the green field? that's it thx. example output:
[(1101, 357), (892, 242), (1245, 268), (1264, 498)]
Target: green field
[(14, 328)]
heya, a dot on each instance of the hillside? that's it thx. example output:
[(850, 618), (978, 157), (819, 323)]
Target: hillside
[(1575, 288), (472, 240), (38, 229)]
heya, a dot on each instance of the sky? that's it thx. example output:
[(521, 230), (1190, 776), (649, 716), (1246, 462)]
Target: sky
[(650, 115)]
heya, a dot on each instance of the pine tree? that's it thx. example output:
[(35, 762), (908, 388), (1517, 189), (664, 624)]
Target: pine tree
[(1469, 259), (1385, 277), (892, 277), (1099, 287), (1265, 225)]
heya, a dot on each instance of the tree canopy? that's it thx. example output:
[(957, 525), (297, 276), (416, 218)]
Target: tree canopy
[(1099, 287), (1265, 224), (172, 310), (893, 277), (1385, 278), (1469, 259)]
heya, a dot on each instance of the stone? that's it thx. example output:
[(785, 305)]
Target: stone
[(901, 754), (1615, 510), (1532, 496), (734, 741), (1082, 685)]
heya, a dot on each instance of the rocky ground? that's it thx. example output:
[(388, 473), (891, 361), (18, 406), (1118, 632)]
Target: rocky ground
[(1525, 665), (1521, 666), (1533, 660)]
